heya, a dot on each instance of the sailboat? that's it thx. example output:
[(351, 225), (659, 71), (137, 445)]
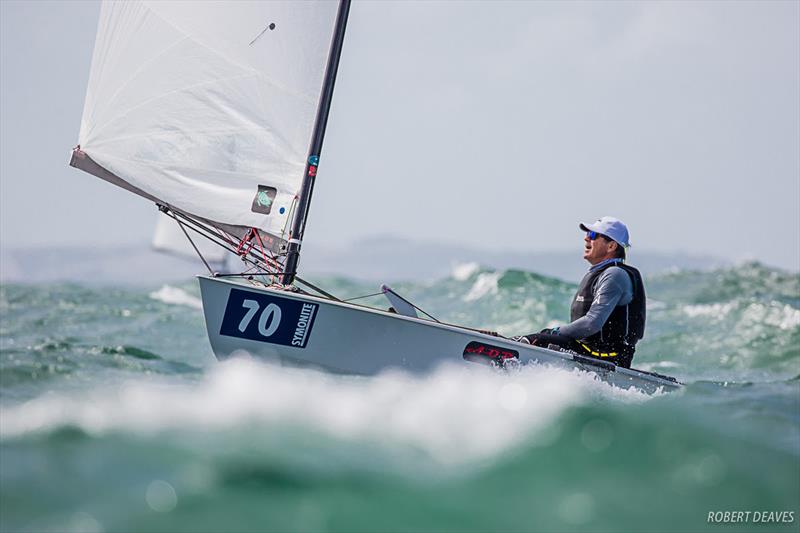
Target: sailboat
[(216, 112), (169, 238)]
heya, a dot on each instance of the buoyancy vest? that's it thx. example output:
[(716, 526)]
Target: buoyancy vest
[(624, 327)]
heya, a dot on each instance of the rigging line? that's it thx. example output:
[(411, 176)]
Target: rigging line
[(289, 217), (308, 284), (314, 287), (204, 232), (224, 240), (251, 275), (251, 257), (362, 297), (243, 248), (424, 312), (246, 273), (299, 279), (415, 307), (246, 248), (203, 259), (264, 254), (260, 244), (256, 262)]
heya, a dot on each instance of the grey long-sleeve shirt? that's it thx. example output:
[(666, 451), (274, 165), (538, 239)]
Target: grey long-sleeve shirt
[(613, 288)]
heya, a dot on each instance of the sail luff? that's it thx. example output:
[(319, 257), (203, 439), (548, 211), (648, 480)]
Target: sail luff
[(312, 163)]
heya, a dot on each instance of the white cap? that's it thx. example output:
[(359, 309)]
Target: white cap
[(610, 227)]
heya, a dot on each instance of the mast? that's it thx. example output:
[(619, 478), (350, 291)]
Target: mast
[(307, 187)]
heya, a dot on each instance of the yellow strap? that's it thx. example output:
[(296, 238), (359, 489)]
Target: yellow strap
[(597, 354)]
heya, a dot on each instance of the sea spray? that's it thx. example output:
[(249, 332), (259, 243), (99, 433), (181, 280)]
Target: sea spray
[(114, 415), (435, 413)]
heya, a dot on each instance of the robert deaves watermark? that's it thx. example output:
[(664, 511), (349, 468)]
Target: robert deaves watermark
[(751, 517)]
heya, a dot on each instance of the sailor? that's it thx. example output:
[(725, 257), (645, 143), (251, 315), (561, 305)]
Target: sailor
[(608, 311)]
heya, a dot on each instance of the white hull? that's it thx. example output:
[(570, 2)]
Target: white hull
[(301, 330)]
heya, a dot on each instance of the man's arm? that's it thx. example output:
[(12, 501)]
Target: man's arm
[(611, 289)]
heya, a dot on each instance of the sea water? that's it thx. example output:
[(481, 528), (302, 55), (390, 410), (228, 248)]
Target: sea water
[(115, 416)]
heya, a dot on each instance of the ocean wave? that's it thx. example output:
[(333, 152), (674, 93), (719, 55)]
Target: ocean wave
[(113, 408), (741, 282), (772, 314), (485, 283), (718, 311), (658, 365), (455, 414), (463, 271), (175, 296), (750, 314)]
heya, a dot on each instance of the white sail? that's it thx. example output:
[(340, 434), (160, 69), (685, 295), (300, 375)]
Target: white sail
[(169, 238), (209, 106)]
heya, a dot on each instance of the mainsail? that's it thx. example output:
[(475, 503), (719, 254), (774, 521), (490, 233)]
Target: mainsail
[(209, 108)]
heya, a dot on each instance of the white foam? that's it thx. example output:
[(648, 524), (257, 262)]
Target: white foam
[(658, 364), (175, 296), (486, 283), (754, 314), (775, 314), (717, 310), (462, 271), (454, 414)]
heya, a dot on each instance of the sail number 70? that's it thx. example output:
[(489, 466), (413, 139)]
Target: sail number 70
[(268, 322), (267, 317)]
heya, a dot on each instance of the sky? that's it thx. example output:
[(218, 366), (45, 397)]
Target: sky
[(495, 125)]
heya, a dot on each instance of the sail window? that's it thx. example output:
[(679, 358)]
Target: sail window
[(265, 197)]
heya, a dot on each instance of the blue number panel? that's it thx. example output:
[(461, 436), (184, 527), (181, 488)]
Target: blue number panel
[(268, 318)]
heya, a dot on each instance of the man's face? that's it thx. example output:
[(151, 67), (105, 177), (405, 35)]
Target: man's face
[(597, 250)]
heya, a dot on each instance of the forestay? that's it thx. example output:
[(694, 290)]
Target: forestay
[(208, 106)]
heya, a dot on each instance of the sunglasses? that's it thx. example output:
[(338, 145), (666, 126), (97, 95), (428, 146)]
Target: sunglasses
[(593, 235)]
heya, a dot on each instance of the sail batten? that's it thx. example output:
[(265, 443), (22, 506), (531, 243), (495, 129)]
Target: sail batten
[(208, 107)]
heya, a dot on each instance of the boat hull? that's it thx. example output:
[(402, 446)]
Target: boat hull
[(301, 330)]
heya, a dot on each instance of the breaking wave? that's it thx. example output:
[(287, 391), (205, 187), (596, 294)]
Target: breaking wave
[(436, 414), (114, 415), (176, 296)]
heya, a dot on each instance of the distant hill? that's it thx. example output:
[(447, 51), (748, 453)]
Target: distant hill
[(376, 259), (391, 259), (131, 265)]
